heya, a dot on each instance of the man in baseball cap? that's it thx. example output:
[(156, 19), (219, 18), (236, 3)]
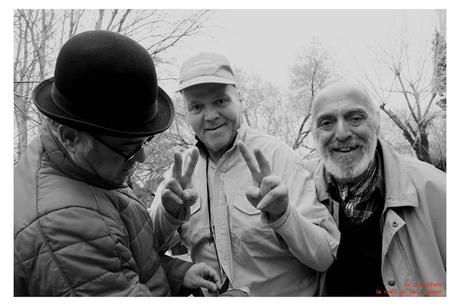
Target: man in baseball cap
[(248, 208), (79, 229)]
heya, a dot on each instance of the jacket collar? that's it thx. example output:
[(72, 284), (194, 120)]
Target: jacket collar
[(399, 189), (62, 161)]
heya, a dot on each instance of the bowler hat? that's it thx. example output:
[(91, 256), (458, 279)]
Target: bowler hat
[(205, 67), (105, 83)]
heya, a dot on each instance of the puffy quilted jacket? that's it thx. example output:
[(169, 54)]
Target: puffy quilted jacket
[(75, 234)]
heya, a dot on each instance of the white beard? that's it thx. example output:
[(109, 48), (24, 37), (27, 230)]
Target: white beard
[(348, 172)]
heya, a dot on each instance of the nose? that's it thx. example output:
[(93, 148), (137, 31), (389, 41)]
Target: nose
[(342, 131), (211, 114), (140, 156)]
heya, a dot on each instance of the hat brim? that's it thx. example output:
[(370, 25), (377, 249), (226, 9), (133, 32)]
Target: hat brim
[(162, 121), (204, 80)]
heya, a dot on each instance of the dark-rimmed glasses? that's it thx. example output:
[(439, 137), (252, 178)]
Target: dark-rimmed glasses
[(126, 157)]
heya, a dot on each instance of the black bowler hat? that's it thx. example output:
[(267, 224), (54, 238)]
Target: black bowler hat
[(105, 83)]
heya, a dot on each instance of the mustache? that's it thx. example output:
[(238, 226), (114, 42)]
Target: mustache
[(337, 145)]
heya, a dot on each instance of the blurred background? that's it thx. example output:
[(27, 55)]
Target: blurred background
[(282, 58)]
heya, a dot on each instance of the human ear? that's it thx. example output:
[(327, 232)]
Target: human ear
[(69, 137)]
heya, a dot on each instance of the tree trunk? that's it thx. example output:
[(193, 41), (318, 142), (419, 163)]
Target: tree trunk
[(422, 146)]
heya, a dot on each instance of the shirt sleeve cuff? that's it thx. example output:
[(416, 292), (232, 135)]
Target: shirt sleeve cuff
[(171, 218)]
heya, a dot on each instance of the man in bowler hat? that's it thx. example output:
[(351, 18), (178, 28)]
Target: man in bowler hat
[(79, 230)]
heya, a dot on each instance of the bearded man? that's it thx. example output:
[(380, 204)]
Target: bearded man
[(390, 209)]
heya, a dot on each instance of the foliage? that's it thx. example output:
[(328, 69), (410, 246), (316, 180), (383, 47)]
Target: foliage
[(440, 65)]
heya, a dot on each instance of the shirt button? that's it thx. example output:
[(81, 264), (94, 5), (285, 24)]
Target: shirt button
[(391, 282), (394, 224)]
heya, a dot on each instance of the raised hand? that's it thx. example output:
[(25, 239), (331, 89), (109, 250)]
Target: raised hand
[(179, 193), (268, 193)]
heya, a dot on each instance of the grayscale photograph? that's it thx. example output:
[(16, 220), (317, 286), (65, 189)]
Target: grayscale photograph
[(230, 152)]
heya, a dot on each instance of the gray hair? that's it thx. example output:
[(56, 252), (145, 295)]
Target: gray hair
[(85, 144)]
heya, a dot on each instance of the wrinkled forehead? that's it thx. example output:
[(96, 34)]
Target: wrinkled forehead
[(335, 96)]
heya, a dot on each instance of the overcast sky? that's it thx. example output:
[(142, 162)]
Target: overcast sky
[(265, 41)]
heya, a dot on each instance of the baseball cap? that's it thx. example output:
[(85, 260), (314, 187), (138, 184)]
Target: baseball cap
[(205, 67)]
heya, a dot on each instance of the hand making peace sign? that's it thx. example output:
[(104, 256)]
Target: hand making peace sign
[(179, 193), (268, 193)]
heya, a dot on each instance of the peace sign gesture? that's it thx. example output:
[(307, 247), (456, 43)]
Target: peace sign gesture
[(268, 193), (179, 193)]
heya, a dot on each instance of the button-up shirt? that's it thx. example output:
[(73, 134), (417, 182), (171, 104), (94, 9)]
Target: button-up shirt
[(280, 258)]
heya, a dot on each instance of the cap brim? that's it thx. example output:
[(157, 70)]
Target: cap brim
[(204, 80), (162, 121)]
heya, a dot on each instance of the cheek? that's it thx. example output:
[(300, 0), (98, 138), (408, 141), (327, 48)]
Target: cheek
[(367, 132), (322, 137), (194, 122)]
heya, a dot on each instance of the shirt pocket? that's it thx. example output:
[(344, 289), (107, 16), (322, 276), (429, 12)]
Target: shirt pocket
[(246, 221)]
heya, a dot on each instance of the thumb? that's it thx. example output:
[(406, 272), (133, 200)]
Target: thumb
[(203, 283), (189, 196)]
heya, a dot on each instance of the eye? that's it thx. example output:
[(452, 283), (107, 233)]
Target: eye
[(195, 108), (356, 120), (221, 102), (325, 124)]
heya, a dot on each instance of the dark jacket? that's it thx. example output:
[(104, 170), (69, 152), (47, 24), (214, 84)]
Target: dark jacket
[(74, 234)]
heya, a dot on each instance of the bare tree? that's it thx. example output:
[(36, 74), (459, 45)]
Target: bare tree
[(265, 106), (412, 79), (311, 72), (33, 30), (39, 34)]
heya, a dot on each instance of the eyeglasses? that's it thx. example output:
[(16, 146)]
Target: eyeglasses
[(126, 157)]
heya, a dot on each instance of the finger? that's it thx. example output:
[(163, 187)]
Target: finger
[(212, 275), (253, 195), (250, 162), (212, 287), (189, 196), (177, 166), (167, 196), (191, 167), (275, 201), (264, 165), (268, 183), (173, 185)]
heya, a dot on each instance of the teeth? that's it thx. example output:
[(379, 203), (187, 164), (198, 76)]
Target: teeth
[(344, 150)]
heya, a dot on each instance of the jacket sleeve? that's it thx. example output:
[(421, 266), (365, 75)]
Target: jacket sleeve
[(164, 224), (307, 227), (435, 197), (83, 254), (175, 270)]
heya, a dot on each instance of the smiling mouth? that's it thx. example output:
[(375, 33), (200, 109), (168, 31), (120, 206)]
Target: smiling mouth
[(345, 149), (214, 128)]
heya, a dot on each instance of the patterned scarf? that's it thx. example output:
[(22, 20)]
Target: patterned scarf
[(356, 199)]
